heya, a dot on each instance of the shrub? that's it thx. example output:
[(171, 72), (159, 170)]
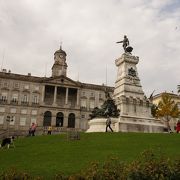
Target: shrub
[(149, 166), (14, 174)]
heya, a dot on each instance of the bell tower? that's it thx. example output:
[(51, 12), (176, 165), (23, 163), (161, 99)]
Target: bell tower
[(60, 66)]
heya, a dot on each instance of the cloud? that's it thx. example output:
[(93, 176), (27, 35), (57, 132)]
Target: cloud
[(31, 31)]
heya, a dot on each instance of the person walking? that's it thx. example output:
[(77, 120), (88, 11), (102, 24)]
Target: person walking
[(33, 129), (178, 126), (108, 124), (49, 130)]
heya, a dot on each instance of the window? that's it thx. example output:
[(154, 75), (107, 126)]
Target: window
[(13, 110), (2, 109), (26, 86), (16, 85), (100, 95), (14, 97), (5, 84), (12, 122), (100, 103), (36, 88), (92, 94), (22, 121), (35, 99), (83, 116), (91, 104), (4, 96), (23, 111), (1, 119), (83, 103), (33, 120), (25, 98), (178, 104), (34, 112)]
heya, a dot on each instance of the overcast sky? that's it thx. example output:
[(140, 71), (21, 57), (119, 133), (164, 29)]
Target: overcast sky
[(31, 31)]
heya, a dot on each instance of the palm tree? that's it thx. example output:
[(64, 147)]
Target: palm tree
[(167, 109)]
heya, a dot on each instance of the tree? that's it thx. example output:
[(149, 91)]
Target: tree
[(167, 109), (154, 110)]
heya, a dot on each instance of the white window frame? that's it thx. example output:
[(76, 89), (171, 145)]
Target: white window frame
[(84, 103), (1, 119), (2, 109), (35, 99), (91, 104), (13, 110), (25, 98), (34, 120), (23, 111), (22, 121), (34, 112)]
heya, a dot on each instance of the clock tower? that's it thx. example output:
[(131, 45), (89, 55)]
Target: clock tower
[(60, 66)]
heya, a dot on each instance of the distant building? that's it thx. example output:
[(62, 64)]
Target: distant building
[(175, 97), (57, 100), (158, 97)]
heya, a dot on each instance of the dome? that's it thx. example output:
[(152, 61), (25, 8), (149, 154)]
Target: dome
[(60, 51)]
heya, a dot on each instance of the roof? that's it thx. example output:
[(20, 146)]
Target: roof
[(61, 51), (5, 75)]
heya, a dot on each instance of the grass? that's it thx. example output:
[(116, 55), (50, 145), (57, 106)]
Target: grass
[(48, 155)]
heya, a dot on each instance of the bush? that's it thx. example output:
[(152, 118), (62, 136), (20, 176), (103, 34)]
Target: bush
[(149, 166), (14, 174)]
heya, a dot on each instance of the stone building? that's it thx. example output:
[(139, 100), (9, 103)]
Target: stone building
[(57, 100)]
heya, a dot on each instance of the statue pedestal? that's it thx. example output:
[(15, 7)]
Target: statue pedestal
[(139, 124), (99, 124)]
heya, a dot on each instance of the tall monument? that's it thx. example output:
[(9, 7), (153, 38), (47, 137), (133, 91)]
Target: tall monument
[(135, 108)]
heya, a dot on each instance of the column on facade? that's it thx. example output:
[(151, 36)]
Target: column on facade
[(55, 95), (77, 97), (43, 92), (67, 90)]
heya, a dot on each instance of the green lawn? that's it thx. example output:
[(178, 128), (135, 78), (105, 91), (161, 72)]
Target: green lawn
[(47, 155)]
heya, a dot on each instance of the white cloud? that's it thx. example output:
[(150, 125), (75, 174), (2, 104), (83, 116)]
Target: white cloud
[(31, 31)]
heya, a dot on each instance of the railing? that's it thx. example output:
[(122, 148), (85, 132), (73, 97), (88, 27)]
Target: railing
[(72, 133), (14, 102), (24, 103), (35, 104), (3, 101)]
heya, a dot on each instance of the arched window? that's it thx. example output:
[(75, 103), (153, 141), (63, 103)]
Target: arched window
[(59, 119), (47, 118), (71, 120)]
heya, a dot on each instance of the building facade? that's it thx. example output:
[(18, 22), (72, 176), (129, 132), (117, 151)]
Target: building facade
[(57, 100)]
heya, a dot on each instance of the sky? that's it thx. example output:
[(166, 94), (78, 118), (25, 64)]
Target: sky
[(32, 30)]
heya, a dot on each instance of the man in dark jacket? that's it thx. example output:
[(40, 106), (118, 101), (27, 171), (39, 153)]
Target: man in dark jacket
[(108, 124)]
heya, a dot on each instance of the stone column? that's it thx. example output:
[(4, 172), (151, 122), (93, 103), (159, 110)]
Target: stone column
[(43, 92), (77, 97), (66, 101), (55, 95), (53, 120)]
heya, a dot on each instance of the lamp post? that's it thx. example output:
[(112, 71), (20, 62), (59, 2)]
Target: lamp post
[(8, 120)]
